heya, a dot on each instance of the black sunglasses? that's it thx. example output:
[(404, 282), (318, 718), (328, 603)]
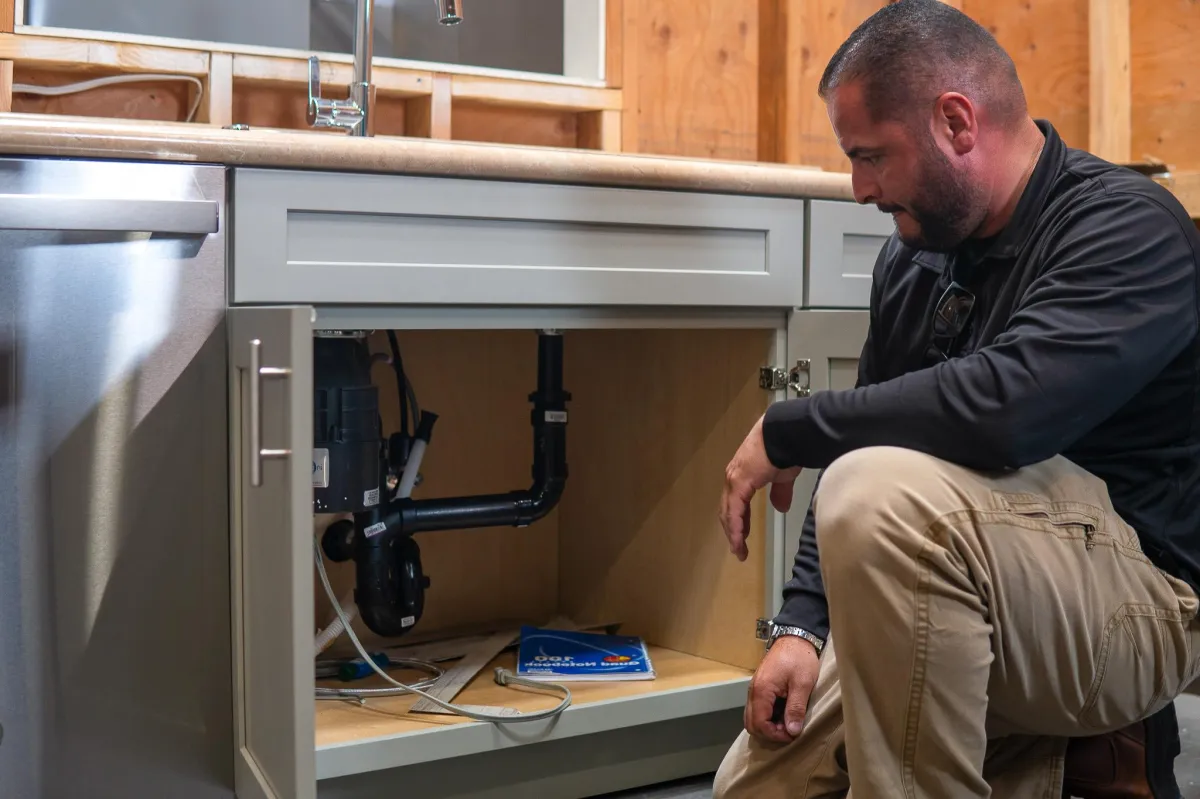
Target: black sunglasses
[(950, 317)]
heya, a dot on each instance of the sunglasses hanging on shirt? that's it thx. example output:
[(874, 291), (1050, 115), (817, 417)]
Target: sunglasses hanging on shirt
[(950, 318)]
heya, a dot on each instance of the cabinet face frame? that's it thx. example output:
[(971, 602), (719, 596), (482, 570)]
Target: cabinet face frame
[(272, 547), (831, 342)]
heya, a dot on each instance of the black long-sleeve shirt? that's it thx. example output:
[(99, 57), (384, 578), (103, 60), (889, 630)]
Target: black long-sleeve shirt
[(1084, 341)]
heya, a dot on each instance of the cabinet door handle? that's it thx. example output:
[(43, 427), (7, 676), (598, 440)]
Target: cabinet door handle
[(257, 372)]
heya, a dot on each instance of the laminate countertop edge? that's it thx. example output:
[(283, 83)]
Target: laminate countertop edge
[(75, 137)]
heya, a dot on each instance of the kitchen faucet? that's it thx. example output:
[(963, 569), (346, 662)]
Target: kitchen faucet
[(354, 113)]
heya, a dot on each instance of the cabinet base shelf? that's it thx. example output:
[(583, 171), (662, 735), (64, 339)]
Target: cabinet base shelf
[(351, 739)]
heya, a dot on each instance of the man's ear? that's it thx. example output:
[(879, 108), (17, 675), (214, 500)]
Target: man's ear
[(955, 122)]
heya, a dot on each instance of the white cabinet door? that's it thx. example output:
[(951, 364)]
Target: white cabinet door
[(831, 343), (272, 550)]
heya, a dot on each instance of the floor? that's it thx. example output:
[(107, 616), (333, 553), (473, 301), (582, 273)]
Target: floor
[(1187, 767)]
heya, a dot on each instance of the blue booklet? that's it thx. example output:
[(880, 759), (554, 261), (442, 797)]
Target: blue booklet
[(565, 655)]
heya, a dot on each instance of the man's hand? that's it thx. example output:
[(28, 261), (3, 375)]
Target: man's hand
[(749, 471), (787, 675)]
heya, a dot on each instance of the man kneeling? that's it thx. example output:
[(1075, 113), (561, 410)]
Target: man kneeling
[(1004, 545)]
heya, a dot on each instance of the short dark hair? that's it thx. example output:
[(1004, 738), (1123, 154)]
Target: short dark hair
[(911, 51)]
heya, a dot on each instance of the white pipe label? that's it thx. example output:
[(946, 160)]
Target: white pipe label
[(320, 468)]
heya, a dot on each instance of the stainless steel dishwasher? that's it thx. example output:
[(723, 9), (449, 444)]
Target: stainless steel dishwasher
[(115, 665)]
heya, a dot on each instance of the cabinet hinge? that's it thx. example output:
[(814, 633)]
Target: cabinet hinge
[(776, 378), (772, 378)]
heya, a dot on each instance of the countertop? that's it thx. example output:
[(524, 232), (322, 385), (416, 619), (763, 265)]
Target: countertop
[(75, 137)]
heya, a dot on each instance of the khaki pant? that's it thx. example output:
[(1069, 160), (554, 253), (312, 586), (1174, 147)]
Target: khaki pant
[(979, 620)]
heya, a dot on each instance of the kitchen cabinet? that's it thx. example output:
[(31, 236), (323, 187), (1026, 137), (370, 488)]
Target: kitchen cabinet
[(682, 316)]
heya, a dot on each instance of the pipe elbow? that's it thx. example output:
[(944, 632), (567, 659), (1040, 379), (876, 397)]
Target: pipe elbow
[(540, 500)]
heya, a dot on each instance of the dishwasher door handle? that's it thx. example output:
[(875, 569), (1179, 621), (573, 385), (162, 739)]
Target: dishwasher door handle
[(59, 212)]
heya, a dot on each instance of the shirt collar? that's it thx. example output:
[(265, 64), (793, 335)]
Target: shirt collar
[(1009, 242)]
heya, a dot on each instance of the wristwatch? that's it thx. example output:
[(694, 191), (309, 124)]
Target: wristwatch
[(767, 630)]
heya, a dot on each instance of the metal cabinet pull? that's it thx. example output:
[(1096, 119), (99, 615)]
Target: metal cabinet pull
[(257, 373)]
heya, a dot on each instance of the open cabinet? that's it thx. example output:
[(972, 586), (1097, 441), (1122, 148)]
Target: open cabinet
[(656, 411)]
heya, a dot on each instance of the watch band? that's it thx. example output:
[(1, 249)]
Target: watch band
[(769, 631)]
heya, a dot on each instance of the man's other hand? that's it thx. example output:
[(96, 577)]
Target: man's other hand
[(749, 471), (786, 677)]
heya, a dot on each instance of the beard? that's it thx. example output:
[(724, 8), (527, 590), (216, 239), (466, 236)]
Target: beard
[(946, 207)]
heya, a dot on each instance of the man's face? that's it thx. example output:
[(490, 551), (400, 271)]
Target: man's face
[(900, 169)]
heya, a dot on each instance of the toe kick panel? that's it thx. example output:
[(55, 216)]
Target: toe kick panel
[(337, 238)]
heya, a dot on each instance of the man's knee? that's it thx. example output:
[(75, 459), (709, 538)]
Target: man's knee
[(729, 782), (869, 497)]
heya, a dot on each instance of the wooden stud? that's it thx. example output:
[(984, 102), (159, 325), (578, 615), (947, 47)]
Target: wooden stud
[(6, 84), (7, 22), (279, 69), (81, 55), (600, 130), (217, 108), (429, 116), (780, 65), (614, 44), (630, 87), (529, 94), (1110, 116)]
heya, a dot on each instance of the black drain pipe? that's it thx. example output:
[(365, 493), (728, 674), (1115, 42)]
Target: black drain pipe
[(389, 591), (515, 508)]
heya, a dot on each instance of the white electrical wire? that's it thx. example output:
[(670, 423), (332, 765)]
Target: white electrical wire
[(96, 83), (502, 676), (361, 694)]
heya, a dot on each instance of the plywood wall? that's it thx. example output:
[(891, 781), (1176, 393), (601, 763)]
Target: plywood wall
[(1165, 73), (1048, 41), (714, 78), (689, 70)]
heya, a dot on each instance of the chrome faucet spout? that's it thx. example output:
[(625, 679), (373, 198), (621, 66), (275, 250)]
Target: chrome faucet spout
[(353, 114), (361, 91), (449, 12)]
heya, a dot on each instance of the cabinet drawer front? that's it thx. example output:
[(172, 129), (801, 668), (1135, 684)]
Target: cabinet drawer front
[(844, 241), (351, 238)]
